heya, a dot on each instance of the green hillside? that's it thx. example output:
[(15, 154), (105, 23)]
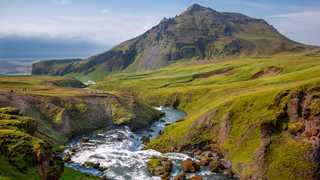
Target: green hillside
[(262, 113)]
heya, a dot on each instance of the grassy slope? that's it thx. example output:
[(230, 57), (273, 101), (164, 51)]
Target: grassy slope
[(70, 174), (235, 92), (60, 93), (40, 85), (9, 172)]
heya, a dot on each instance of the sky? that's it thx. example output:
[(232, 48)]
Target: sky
[(72, 28)]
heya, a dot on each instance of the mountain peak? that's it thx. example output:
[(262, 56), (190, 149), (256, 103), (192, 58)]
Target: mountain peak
[(199, 32), (196, 7)]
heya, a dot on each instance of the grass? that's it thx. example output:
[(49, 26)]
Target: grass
[(70, 174), (40, 85), (250, 101), (9, 172)]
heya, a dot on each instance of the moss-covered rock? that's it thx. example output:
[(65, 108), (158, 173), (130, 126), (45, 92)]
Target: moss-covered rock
[(295, 127), (160, 167), (23, 151)]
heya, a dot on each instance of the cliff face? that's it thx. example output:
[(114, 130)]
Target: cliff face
[(22, 153), (63, 117), (197, 33), (47, 111), (266, 136)]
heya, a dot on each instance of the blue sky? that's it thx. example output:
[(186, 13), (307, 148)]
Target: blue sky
[(102, 24)]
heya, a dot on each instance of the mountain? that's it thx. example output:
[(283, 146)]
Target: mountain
[(198, 33)]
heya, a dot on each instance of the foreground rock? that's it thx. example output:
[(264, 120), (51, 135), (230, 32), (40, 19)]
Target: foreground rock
[(160, 167), (23, 151), (189, 166), (181, 176), (195, 178)]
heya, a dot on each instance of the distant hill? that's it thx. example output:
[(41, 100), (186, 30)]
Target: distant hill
[(14, 67), (197, 33)]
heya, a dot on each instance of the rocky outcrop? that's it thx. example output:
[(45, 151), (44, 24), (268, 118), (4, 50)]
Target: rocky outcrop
[(189, 166), (23, 150), (160, 167)]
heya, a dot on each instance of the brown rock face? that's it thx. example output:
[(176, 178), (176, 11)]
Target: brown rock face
[(270, 71), (189, 166), (181, 176), (195, 178)]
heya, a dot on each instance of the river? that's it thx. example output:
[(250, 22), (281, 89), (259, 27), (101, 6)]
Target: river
[(120, 153)]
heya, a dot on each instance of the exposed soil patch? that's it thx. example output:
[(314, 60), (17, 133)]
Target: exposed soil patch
[(223, 71), (269, 71)]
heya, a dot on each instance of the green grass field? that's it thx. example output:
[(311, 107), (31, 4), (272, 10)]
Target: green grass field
[(246, 89)]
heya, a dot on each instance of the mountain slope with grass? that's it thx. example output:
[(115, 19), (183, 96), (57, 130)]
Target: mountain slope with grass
[(260, 113), (197, 33)]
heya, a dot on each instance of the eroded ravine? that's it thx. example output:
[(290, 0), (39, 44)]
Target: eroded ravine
[(118, 153)]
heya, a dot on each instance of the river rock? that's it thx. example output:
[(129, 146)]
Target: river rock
[(195, 178), (189, 166), (67, 157), (228, 173), (227, 164), (160, 167), (145, 139), (104, 178), (84, 140), (216, 166), (180, 176), (196, 152), (73, 150), (89, 164)]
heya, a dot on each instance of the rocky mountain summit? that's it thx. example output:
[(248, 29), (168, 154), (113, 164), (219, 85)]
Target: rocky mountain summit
[(197, 33)]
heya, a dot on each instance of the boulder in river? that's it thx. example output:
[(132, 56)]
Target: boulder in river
[(207, 156), (189, 166), (160, 167), (195, 178), (84, 140), (180, 176), (67, 157), (145, 139), (89, 164)]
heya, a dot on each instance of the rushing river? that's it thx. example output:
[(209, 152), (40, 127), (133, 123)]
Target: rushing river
[(120, 152)]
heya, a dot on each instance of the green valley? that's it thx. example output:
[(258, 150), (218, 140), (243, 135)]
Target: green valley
[(260, 112), (203, 95)]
